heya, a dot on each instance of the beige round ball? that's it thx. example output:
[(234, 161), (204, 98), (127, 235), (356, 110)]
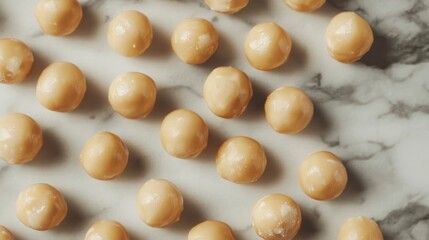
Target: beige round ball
[(104, 156), (322, 176), (16, 60), (107, 230), (360, 228), (21, 138), (276, 217), (132, 95), (5, 234), (348, 37), (241, 160), (267, 46), (160, 203), (130, 33), (58, 17), (184, 134), (227, 6), (211, 230), (288, 110), (194, 40), (61, 87), (41, 207), (305, 5)]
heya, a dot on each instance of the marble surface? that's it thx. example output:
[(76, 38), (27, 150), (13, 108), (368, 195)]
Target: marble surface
[(373, 114)]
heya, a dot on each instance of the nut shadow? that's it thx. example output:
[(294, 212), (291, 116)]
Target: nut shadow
[(95, 99), (214, 142), (273, 171), (296, 61), (309, 225), (165, 103), (254, 7), (136, 166), (88, 26), (319, 125), (52, 151), (354, 188), (378, 55), (255, 109), (75, 219), (191, 216), (39, 64), (224, 56), (160, 48)]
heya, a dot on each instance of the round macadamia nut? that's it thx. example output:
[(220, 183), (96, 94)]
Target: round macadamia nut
[(276, 217), (348, 37), (241, 160), (267, 46), (305, 5), (41, 207), (211, 230), (184, 134), (130, 33), (159, 203), (5, 234), (360, 228), (58, 17), (194, 40), (20, 138), (16, 60), (288, 110), (61, 87), (227, 92), (107, 230), (322, 176), (227, 6), (132, 95)]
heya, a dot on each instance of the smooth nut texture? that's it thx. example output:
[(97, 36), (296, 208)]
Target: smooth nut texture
[(227, 92), (130, 33), (58, 17), (104, 156), (211, 230), (267, 46), (20, 138), (159, 203), (322, 176), (16, 60), (107, 230), (241, 160), (132, 95), (360, 228), (276, 217), (184, 134), (5, 234), (41, 207), (227, 6), (304, 5), (61, 87), (194, 40), (288, 110), (348, 37)]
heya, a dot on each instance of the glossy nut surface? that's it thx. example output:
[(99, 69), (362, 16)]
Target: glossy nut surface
[(5, 234), (226, 6), (227, 92), (288, 110), (305, 5), (267, 46), (21, 138), (184, 134), (130, 33), (58, 17), (241, 160), (348, 37), (107, 230), (41, 207), (194, 40), (211, 230), (276, 217), (16, 60), (360, 228), (61, 87), (322, 176), (132, 95), (104, 156), (159, 203)]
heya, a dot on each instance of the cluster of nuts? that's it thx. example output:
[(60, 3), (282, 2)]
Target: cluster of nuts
[(184, 134)]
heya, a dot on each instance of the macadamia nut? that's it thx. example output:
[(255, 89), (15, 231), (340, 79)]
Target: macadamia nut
[(288, 110), (159, 203), (58, 17), (194, 40), (241, 160), (360, 228), (227, 6), (184, 134), (267, 46), (41, 207), (107, 230), (348, 37), (16, 60), (304, 5), (5, 234), (211, 230), (21, 138)]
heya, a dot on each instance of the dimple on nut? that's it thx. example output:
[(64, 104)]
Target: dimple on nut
[(16, 60)]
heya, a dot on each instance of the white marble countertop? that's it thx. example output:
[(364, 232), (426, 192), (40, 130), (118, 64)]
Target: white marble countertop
[(373, 114)]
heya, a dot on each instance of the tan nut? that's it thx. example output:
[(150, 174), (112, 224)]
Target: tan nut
[(227, 6), (5, 234), (305, 5), (16, 60), (107, 230), (211, 230), (360, 228)]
